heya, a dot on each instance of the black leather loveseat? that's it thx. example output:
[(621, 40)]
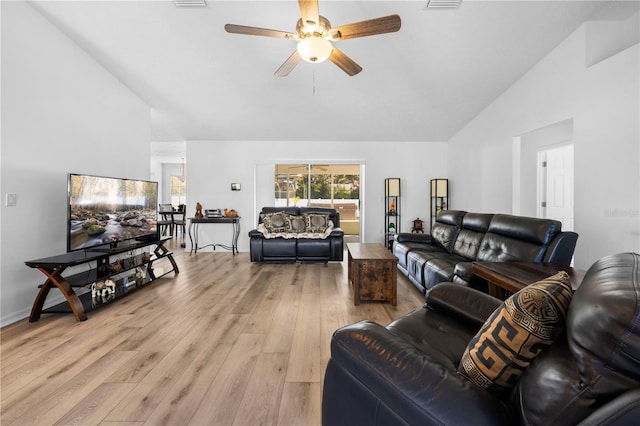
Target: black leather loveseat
[(293, 240), (407, 372), (458, 238)]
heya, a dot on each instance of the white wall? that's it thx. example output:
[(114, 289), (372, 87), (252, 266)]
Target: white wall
[(214, 166), (603, 103), (61, 113)]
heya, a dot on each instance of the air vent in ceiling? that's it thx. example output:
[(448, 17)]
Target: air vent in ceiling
[(443, 4), (190, 3)]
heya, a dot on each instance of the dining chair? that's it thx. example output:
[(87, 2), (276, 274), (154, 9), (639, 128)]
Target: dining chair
[(166, 223), (180, 218)]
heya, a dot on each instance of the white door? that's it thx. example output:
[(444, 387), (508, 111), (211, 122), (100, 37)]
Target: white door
[(555, 185)]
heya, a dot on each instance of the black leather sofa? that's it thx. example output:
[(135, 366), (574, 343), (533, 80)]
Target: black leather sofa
[(287, 250), (406, 373), (458, 238)]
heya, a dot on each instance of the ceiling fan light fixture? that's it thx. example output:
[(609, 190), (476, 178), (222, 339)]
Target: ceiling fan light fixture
[(314, 49)]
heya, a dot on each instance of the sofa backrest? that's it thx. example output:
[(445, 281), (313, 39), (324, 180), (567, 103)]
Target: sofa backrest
[(334, 215), (598, 360), (517, 238), (446, 228), (474, 227)]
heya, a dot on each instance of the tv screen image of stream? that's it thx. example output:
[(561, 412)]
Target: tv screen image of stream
[(107, 210)]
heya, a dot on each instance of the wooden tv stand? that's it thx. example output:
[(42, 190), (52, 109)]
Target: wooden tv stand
[(53, 267)]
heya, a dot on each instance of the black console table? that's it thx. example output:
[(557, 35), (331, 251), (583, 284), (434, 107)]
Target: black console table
[(118, 271), (195, 223)]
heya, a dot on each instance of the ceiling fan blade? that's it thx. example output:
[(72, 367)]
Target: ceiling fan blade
[(345, 63), (309, 11), (288, 65), (385, 24), (242, 29)]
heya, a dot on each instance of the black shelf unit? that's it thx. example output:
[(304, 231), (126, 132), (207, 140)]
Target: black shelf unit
[(439, 197), (126, 276), (392, 210)]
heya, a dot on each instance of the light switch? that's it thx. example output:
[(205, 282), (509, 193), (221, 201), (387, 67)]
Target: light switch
[(12, 200)]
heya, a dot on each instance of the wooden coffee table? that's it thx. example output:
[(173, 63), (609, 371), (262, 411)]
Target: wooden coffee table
[(514, 276), (373, 272)]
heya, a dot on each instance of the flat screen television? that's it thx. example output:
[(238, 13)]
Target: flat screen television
[(103, 211)]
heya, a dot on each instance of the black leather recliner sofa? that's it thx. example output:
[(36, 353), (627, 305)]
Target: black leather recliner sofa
[(406, 373), (287, 250), (458, 238)]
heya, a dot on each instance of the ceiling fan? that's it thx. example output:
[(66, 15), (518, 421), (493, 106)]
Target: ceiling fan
[(315, 36)]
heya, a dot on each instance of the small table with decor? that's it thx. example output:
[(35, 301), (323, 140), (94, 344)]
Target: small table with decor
[(195, 222), (514, 276), (372, 270)]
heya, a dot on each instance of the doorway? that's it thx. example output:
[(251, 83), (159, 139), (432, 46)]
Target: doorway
[(168, 166), (174, 188), (543, 173)]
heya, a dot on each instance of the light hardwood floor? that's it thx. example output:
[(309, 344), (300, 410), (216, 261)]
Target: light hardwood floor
[(225, 342)]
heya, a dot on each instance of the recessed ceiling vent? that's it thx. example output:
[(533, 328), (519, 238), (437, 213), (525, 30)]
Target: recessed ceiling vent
[(190, 3), (443, 4)]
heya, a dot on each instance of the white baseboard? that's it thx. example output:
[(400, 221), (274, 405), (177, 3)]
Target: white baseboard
[(26, 312)]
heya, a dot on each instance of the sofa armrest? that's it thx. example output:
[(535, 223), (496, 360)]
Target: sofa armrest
[(561, 248), (337, 244), (256, 238), (462, 302), (464, 272), (375, 377), (405, 237), (255, 233), (622, 410), (337, 232)]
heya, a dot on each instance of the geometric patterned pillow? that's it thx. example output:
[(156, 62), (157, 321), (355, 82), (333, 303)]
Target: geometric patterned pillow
[(275, 222), (519, 330), (316, 222)]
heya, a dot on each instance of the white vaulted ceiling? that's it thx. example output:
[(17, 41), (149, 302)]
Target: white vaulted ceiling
[(422, 83)]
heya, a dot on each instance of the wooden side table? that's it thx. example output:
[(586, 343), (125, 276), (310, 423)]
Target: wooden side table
[(373, 273), (514, 276)]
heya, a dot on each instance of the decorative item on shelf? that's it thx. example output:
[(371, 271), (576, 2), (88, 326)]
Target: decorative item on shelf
[(102, 292), (417, 227), (230, 213), (439, 197), (146, 256), (213, 213), (103, 288), (141, 273), (392, 209), (116, 266), (199, 210)]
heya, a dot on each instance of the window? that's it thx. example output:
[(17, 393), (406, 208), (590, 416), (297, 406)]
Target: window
[(321, 185), (178, 190)]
